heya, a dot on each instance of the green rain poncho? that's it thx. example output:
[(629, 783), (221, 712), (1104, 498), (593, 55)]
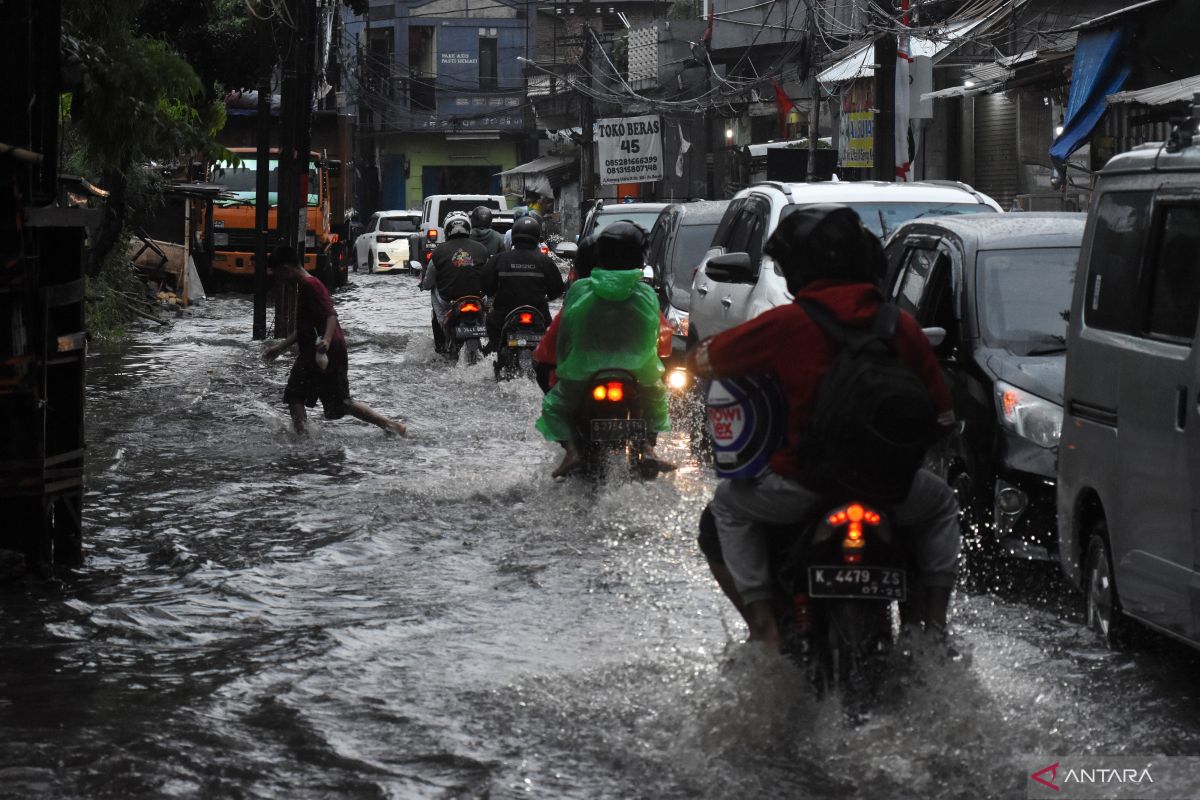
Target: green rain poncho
[(609, 321)]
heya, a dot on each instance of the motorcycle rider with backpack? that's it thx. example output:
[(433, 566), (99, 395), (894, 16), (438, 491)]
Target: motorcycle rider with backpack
[(482, 231), (522, 276), (865, 397), (453, 271)]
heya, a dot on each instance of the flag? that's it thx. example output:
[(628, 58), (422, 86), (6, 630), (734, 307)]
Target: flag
[(707, 37), (783, 104), (684, 146)]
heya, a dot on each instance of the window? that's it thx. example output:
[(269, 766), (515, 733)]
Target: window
[(1115, 261), (1175, 293), (397, 225), (746, 235), (725, 228), (422, 49), (883, 218), (487, 62), (911, 288), (1023, 296)]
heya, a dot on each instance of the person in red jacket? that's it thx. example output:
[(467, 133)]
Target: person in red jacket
[(830, 259)]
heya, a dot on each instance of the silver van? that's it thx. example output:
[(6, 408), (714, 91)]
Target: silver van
[(1129, 456)]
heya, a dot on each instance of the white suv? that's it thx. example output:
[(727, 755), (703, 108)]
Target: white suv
[(736, 282)]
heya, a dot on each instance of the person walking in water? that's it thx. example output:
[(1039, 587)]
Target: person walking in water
[(320, 371)]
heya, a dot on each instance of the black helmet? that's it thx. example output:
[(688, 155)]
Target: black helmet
[(825, 242), (527, 229), (621, 245), (481, 217), (585, 256)]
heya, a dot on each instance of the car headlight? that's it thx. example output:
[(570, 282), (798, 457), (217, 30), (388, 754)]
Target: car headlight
[(1029, 416), (678, 320)]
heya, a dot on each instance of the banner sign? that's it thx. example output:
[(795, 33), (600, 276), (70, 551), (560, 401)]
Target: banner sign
[(628, 149), (856, 135)]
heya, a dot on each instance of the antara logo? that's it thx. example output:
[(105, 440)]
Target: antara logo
[(1040, 776)]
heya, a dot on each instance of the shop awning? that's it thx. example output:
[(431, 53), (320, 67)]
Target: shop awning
[(860, 62), (1161, 95), (1100, 69), (542, 174)]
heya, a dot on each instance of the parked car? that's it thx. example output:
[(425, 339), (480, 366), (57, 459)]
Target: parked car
[(737, 282), (998, 286), (601, 215), (679, 239), (383, 246), (1129, 461)]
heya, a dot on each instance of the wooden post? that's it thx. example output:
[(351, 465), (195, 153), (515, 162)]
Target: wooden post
[(262, 188)]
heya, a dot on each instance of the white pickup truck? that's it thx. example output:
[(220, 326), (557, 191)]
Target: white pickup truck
[(433, 216)]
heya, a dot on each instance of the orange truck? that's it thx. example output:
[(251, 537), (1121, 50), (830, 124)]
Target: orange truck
[(233, 233)]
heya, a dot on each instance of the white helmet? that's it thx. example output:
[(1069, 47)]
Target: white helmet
[(457, 224)]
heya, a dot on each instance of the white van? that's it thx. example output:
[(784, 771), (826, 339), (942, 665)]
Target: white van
[(1129, 456)]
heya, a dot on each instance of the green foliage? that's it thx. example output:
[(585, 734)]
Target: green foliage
[(107, 309), (216, 37)]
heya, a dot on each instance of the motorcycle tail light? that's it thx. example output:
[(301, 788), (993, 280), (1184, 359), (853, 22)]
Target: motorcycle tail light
[(467, 308), (616, 391), (526, 318), (599, 392), (433, 235)]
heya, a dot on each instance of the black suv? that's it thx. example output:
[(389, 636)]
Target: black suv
[(999, 285)]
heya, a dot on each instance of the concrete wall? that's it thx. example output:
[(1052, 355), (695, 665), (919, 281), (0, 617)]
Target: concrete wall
[(433, 149)]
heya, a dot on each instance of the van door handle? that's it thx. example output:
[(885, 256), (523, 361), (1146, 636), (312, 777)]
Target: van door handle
[(727, 301), (1181, 408)]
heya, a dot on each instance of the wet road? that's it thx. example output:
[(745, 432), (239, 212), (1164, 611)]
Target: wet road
[(352, 615)]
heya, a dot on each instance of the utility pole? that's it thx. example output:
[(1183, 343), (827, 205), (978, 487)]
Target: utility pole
[(295, 119), (262, 198), (885, 99), (587, 118)]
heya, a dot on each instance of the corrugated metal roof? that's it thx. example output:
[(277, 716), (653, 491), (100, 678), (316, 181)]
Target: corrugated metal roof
[(1161, 95)]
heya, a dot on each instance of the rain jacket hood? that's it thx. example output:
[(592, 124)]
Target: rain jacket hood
[(615, 284)]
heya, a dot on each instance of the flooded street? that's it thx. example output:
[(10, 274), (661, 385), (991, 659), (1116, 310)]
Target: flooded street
[(355, 615)]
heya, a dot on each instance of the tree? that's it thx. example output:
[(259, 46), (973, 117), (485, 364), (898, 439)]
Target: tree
[(132, 100), (216, 38)]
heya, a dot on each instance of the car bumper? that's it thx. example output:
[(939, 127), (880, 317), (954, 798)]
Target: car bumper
[(390, 259), (1024, 499)]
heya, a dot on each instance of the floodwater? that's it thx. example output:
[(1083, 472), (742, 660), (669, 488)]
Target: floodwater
[(354, 615)]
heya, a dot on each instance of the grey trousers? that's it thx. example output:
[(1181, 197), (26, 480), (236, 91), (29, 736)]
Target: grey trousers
[(740, 506)]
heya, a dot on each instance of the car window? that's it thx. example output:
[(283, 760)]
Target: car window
[(658, 237), (1024, 297), (397, 225), (691, 243), (1175, 274), (917, 268), (1118, 238), (613, 214), (725, 227), (466, 206), (883, 218)]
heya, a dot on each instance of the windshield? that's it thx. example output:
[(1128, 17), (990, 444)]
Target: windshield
[(882, 218), (1024, 297), (243, 178), (691, 243), (608, 216), (466, 206), (397, 225)]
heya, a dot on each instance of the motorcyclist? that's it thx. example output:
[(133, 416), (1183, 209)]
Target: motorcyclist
[(519, 213), (453, 271), (610, 320), (522, 276), (482, 232), (828, 258)]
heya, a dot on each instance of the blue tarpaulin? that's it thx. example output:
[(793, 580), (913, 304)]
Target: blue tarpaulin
[(1101, 68)]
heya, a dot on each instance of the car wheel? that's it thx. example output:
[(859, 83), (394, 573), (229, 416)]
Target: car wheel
[(1101, 602), (355, 259), (371, 263)]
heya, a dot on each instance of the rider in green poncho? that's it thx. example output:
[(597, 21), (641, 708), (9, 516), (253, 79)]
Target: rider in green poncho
[(609, 321)]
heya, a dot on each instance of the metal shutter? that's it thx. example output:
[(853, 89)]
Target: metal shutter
[(996, 168)]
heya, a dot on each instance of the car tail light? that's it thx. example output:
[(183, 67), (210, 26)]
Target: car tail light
[(467, 308), (526, 318), (433, 235), (385, 239)]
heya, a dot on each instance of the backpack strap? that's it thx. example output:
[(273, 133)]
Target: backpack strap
[(882, 328)]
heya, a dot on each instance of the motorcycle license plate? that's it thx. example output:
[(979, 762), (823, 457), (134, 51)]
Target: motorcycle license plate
[(470, 331), (528, 340), (858, 583), (615, 430)]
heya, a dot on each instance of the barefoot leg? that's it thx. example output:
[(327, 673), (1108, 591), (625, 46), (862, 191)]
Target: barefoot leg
[(367, 414)]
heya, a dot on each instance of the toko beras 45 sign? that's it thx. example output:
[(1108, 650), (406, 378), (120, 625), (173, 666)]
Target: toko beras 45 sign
[(628, 149)]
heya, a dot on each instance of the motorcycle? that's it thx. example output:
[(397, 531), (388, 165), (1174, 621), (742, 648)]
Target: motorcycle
[(837, 583), (465, 328), (610, 423), (520, 334)]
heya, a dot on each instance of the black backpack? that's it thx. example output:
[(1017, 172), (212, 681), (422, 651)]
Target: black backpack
[(873, 417)]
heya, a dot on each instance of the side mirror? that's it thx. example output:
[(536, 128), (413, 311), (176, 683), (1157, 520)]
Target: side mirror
[(730, 268), (935, 335), (566, 250), (414, 265)]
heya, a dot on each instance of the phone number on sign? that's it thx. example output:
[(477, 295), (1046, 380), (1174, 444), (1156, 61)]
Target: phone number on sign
[(650, 162)]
